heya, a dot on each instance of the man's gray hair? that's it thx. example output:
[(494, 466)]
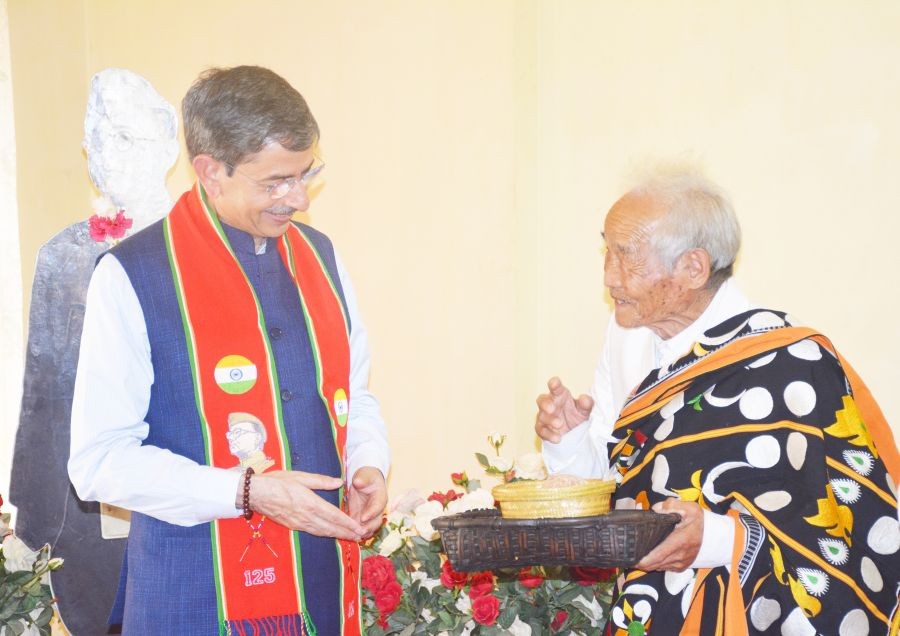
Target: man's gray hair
[(699, 215), (235, 112)]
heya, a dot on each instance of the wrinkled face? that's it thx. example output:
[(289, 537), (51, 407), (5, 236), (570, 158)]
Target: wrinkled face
[(242, 201), (644, 293)]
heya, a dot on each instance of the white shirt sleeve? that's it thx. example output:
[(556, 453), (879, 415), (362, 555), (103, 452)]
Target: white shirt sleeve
[(367, 443), (108, 461), (583, 450), (718, 541)]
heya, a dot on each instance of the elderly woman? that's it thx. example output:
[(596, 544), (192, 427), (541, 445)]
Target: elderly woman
[(756, 432)]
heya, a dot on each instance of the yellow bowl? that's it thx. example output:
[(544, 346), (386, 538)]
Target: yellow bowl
[(536, 499)]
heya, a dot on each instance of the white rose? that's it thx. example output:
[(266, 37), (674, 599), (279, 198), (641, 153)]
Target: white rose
[(18, 555), (424, 515), (475, 500), (464, 604), (396, 519), (429, 509), (424, 581), (496, 439), (531, 466), (518, 628), (501, 464), (390, 544)]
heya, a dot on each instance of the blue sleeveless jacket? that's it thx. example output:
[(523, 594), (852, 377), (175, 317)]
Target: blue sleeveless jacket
[(167, 584)]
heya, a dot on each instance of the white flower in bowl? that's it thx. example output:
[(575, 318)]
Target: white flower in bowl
[(475, 500), (531, 466)]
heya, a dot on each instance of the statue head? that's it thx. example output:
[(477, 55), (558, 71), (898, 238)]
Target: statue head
[(130, 136)]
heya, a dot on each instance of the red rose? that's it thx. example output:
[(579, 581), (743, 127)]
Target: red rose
[(377, 571), (450, 577), (485, 609), (481, 584), (445, 498), (388, 598), (589, 576), (529, 577), (459, 479), (559, 620)]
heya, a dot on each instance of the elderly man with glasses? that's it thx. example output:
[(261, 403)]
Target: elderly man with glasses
[(227, 309)]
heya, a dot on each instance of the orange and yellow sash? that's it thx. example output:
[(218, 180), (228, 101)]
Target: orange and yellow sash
[(258, 582), (655, 397)]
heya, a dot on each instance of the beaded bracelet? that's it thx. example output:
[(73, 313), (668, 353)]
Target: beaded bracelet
[(248, 514)]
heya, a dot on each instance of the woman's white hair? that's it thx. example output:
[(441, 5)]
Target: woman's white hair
[(698, 215)]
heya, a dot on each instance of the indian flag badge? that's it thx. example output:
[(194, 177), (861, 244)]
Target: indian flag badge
[(235, 374), (341, 406)]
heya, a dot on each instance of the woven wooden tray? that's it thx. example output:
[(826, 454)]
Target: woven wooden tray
[(483, 540)]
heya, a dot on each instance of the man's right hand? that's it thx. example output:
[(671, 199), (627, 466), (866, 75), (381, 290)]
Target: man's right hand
[(287, 497), (559, 412)]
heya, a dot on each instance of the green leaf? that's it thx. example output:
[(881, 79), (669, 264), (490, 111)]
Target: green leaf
[(568, 595), (508, 616), (483, 460), (44, 617)]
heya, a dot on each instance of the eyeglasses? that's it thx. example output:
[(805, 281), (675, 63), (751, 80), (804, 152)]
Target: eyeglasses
[(280, 188)]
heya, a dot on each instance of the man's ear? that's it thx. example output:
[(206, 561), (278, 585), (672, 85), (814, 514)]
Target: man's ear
[(210, 172), (694, 268)]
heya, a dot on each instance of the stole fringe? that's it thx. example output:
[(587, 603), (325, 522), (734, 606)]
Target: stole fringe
[(287, 625)]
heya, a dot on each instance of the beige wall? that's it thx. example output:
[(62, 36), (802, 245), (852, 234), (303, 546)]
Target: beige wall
[(473, 148)]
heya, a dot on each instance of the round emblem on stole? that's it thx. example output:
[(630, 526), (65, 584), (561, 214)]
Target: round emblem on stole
[(341, 406), (235, 374)]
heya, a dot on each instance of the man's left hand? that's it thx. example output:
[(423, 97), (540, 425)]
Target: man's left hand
[(680, 548), (367, 498)]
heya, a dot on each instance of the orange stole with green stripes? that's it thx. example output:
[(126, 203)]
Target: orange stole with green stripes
[(259, 577)]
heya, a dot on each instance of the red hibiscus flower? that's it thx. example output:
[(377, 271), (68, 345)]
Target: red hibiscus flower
[(486, 609), (377, 572), (445, 498), (481, 584), (529, 577), (559, 620), (101, 227), (450, 578), (590, 576)]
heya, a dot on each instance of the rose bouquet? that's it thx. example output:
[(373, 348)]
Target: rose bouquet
[(410, 587), (26, 606)]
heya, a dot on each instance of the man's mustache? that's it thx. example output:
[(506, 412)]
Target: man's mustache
[(281, 209)]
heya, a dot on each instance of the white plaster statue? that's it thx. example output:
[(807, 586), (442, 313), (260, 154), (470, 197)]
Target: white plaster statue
[(130, 136)]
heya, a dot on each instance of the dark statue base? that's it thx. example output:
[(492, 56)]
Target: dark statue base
[(49, 511)]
